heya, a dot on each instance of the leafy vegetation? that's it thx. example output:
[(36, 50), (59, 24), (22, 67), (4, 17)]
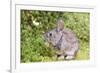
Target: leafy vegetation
[(35, 23)]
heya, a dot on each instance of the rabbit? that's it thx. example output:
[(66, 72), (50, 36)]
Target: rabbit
[(64, 40)]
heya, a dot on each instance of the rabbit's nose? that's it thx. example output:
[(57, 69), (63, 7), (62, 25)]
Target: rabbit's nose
[(45, 34), (50, 34)]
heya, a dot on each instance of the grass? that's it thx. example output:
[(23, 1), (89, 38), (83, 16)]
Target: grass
[(83, 53)]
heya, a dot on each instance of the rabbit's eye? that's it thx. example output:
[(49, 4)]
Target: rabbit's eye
[(50, 34)]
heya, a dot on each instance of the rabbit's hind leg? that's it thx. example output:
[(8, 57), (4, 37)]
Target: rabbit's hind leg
[(60, 57), (69, 57)]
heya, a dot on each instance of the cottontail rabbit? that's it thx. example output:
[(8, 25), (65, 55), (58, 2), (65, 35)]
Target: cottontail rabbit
[(64, 40)]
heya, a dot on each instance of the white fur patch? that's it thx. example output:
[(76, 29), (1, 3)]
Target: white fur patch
[(69, 57)]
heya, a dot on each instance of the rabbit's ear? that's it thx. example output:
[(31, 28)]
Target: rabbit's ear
[(60, 25)]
